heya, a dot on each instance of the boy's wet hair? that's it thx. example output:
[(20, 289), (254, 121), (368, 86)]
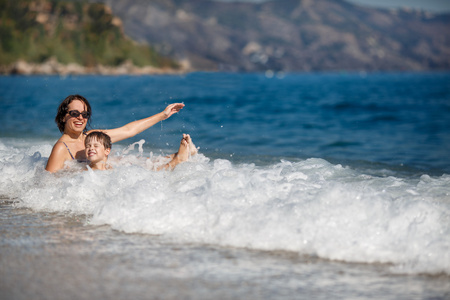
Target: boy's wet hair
[(100, 137)]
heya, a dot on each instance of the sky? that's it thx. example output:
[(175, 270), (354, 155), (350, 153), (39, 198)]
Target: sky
[(437, 6)]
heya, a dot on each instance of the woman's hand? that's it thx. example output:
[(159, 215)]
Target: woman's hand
[(172, 109)]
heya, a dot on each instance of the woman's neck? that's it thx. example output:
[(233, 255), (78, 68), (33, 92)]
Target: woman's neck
[(74, 135)]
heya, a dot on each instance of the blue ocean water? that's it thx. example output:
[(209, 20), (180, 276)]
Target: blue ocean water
[(394, 119), (333, 185)]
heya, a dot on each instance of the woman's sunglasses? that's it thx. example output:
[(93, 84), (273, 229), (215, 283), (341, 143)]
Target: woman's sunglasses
[(76, 114)]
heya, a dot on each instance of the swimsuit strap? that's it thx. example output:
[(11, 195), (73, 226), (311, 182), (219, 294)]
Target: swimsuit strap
[(68, 150)]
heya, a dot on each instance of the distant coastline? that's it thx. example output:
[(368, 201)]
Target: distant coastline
[(73, 37), (53, 67)]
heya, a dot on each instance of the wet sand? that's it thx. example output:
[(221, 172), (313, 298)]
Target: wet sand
[(52, 256)]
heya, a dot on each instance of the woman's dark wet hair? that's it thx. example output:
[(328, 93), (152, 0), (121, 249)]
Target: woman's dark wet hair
[(99, 136), (63, 110)]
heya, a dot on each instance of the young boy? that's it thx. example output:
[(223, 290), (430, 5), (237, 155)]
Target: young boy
[(98, 147)]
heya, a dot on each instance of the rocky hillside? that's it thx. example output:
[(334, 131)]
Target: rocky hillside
[(288, 35), (47, 36)]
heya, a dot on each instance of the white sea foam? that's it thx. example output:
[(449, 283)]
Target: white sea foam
[(310, 207)]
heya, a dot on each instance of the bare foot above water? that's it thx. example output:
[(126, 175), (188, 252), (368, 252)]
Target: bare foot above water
[(183, 152), (192, 149), (181, 156)]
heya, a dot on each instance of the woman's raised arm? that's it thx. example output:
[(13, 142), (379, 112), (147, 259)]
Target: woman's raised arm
[(133, 128)]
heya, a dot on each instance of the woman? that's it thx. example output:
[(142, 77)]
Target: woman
[(72, 118)]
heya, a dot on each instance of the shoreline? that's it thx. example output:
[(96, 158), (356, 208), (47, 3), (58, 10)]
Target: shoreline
[(53, 67), (55, 256)]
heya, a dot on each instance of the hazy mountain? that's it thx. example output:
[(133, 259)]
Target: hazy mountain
[(288, 35)]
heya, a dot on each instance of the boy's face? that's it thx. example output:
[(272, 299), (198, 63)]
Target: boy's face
[(95, 151)]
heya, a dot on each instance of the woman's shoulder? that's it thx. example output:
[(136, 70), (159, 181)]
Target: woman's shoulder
[(57, 157), (59, 147), (62, 145)]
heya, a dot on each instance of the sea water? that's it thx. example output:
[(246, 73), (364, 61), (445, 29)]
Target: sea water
[(305, 186)]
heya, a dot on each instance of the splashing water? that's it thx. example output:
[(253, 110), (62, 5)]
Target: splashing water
[(310, 207)]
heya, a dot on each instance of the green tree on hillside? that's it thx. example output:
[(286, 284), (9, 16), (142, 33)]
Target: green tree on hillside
[(72, 32)]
